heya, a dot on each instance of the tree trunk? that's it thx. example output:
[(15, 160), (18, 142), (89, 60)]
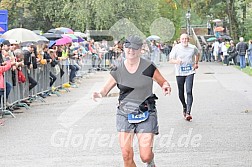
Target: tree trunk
[(233, 20), (244, 11), (229, 6)]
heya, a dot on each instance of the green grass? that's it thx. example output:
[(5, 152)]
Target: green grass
[(246, 70)]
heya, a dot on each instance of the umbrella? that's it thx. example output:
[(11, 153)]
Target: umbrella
[(211, 39), (42, 39), (63, 41), (52, 36), (1, 40), (55, 31), (72, 36), (51, 43), (226, 37), (80, 39), (216, 20), (80, 34), (38, 32), (153, 37), (65, 30), (21, 35), (219, 29)]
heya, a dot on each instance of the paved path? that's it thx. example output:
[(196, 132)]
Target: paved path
[(72, 130)]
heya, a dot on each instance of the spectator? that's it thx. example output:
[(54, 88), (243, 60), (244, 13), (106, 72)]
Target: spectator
[(250, 53), (155, 52), (224, 52), (241, 48), (48, 56), (73, 66), (209, 52), (6, 65), (5, 47), (55, 67), (216, 49), (209, 28), (146, 49), (232, 53), (30, 60)]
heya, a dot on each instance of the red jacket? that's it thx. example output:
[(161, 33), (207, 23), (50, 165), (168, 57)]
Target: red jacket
[(2, 70)]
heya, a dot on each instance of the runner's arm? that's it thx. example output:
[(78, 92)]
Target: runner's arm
[(111, 82), (162, 82), (196, 61), (197, 58)]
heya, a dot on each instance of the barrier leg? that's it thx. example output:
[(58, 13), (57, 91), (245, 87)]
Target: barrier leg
[(20, 104), (4, 111)]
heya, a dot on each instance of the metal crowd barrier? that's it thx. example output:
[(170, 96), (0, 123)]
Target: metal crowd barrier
[(20, 91)]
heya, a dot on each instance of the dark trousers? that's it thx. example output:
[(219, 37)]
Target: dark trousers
[(8, 88), (234, 58), (73, 71), (209, 31), (52, 79), (242, 61), (32, 82), (225, 61), (181, 82)]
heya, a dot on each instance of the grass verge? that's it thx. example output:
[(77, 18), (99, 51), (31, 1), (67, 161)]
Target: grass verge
[(246, 70)]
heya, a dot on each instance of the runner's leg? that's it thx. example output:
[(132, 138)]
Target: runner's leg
[(145, 141), (126, 144), (189, 87), (181, 90)]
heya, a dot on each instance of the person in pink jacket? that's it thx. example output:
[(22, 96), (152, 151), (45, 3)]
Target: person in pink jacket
[(6, 65)]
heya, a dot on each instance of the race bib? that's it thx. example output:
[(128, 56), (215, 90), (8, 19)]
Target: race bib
[(137, 118), (186, 68)]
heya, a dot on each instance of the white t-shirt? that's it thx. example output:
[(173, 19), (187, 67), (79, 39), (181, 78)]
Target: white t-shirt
[(186, 55), (216, 46)]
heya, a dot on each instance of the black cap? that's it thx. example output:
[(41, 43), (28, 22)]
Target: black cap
[(6, 42), (134, 42)]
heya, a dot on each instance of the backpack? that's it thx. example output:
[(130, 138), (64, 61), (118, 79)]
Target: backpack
[(21, 77)]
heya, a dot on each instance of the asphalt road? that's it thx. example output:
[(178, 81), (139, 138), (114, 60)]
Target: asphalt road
[(72, 130)]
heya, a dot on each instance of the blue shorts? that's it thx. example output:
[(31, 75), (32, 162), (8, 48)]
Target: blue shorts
[(148, 126)]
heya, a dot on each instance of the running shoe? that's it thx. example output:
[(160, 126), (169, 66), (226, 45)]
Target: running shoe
[(188, 117)]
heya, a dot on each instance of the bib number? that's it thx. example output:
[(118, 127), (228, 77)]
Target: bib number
[(186, 69), (137, 118)]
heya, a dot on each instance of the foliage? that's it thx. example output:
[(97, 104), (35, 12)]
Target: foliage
[(234, 13), (85, 15)]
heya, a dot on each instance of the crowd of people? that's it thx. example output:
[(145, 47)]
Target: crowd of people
[(228, 52), (26, 58)]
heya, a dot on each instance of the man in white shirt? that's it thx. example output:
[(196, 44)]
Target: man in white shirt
[(185, 56)]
